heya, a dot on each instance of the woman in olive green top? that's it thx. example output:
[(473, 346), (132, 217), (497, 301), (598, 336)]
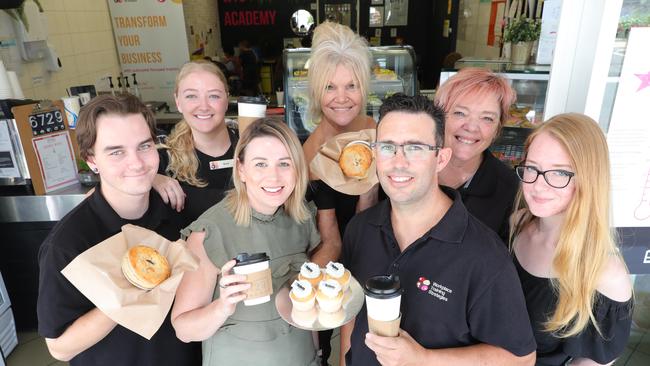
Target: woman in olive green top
[(265, 212)]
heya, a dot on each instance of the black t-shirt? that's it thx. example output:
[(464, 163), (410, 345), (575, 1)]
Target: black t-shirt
[(491, 193), (614, 319), (455, 293), (326, 197), (212, 170), (60, 303)]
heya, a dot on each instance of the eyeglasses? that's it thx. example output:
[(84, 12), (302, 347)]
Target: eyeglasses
[(556, 178), (387, 150)]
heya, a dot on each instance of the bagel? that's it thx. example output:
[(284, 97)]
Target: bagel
[(355, 159), (144, 267)]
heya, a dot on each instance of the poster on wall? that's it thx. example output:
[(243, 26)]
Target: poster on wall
[(151, 43), (396, 12), (628, 139)]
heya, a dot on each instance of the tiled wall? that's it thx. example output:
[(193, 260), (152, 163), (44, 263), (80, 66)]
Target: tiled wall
[(201, 15), (473, 26), (81, 33)]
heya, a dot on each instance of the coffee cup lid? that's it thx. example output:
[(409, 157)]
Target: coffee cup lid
[(383, 287), (246, 259), (252, 100)]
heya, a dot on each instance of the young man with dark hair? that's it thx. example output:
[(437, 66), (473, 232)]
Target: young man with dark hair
[(116, 138), (462, 303)]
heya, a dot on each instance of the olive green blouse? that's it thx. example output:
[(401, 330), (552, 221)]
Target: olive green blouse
[(256, 335)]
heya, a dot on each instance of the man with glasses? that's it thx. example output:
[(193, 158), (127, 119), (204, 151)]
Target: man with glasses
[(462, 303)]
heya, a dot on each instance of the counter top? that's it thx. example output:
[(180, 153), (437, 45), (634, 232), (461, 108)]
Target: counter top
[(50, 207)]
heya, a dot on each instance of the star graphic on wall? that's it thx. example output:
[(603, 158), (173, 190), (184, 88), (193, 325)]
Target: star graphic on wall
[(645, 80)]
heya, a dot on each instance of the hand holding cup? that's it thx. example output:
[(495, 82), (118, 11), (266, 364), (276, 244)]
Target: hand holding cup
[(232, 288)]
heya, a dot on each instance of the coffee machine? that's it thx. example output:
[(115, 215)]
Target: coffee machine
[(15, 179)]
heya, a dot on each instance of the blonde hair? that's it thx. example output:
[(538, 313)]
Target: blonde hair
[(586, 241), (334, 44), (236, 199), (183, 162)]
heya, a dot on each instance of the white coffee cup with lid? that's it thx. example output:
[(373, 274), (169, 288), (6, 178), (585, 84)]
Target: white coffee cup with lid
[(248, 110), (256, 268), (383, 300)]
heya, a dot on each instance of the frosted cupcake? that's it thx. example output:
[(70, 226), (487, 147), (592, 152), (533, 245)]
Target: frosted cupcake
[(304, 318), (302, 295), (329, 296), (336, 271), (331, 320), (310, 272)]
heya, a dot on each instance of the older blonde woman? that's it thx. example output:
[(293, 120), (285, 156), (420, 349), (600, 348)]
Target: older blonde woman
[(339, 76), (265, 212), (575, 282)]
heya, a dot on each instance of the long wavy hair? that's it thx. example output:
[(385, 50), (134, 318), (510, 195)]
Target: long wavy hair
[(334, 44), (236, 199), (586, 241), (183, 162)]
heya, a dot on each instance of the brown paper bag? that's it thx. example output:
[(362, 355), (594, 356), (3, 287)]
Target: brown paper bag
[(325, 164), (97, 274)]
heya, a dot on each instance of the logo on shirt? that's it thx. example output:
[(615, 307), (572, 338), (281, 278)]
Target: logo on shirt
[(434, 289), (423, 284)]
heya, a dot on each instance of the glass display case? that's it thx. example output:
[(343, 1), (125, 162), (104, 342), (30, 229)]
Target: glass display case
[(393, 70), (530, 83)]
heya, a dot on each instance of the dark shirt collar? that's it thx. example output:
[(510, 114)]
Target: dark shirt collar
[(484, 181), (152, 218), (451, 227)]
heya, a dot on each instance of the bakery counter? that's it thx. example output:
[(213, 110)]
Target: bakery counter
[(25, 222)]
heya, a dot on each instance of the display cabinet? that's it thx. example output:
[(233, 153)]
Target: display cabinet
[(530, 83), (393, 70)]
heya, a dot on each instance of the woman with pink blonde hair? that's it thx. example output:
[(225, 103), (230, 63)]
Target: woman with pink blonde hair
[(476, 102)]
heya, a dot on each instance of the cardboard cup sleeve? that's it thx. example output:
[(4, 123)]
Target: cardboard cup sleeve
[(384, 328), (261, 284)]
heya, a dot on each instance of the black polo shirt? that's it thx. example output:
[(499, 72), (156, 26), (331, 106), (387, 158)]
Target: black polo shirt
[(491, 193), (460, 286), (219, 179), (60, 303)]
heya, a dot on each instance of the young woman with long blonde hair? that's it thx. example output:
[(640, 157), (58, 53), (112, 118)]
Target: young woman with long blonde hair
[(196, 162), (577, 286)]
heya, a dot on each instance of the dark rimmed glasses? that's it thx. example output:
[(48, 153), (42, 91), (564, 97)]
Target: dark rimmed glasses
[(387, 150), (556, 178)]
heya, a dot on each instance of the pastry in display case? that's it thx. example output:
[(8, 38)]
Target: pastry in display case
[(530, 83), (393, 71)]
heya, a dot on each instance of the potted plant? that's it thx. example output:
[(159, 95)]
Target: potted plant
[(521, 33)]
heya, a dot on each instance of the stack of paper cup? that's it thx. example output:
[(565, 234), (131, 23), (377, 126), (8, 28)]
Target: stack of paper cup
[(5, 86), (72, 107), (15, 85)]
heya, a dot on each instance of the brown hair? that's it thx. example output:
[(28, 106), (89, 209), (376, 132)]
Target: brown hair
[(237, 198), (120, 105)]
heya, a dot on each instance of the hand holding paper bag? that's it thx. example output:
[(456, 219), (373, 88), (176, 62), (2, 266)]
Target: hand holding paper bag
[(97, 274), (325, 165)]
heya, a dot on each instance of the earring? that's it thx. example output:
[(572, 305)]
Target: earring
[(95, 170)]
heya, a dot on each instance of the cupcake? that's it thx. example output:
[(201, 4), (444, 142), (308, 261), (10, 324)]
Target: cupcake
[(331, 320), (302, 295), (329, 296), (336, 271), (310, 272), (304, 319)]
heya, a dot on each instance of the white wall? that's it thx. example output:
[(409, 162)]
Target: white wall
[(80, 31), (473, 30)]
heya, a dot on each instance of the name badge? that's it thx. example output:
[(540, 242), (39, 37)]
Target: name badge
[(221, 164)]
